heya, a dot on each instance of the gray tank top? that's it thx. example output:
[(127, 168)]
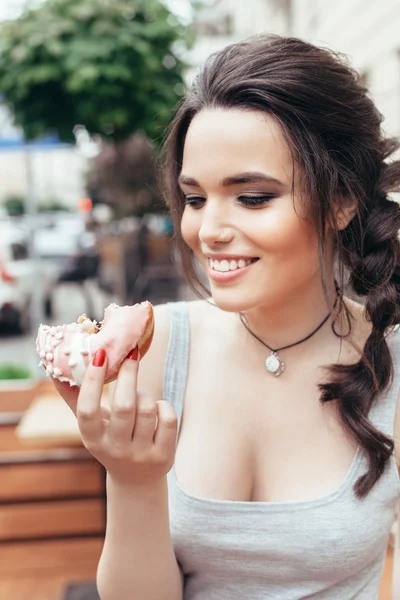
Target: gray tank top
[(332, 547)]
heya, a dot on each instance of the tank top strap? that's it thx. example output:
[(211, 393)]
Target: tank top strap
[(177, 360), (383, 411)]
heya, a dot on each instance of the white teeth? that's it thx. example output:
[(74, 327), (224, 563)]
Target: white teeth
[(224, 266), (221, 266)]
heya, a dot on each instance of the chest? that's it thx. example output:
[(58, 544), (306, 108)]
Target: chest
[(246, 435), (327, 548)]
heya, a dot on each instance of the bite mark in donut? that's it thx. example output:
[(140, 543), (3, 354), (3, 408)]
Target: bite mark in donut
[(66, 350)]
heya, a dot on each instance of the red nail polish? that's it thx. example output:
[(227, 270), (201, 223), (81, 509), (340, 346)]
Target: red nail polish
[(133, 354), (99, 358)]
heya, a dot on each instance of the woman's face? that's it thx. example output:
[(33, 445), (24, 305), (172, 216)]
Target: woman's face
[(237, 176)]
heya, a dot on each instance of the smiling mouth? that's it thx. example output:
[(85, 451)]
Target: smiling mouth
[(228, 266)]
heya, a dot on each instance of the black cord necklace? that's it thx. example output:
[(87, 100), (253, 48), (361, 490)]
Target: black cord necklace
[(273, 363)]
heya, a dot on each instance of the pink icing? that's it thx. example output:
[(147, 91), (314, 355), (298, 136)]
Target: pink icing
[(123, 326)]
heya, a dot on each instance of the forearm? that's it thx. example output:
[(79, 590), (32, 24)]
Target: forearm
[(138, 560)]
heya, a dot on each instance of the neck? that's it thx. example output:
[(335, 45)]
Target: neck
[(285, 323)]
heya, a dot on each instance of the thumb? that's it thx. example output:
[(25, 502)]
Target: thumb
[(68, 393)]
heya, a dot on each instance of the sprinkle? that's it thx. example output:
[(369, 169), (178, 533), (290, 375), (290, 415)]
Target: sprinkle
[(47, 349), (72, 362), (59, 335), (49, 369), (49, 356), (57, 372), (67, 351), (42, 354), (55, 343), (84, 352)]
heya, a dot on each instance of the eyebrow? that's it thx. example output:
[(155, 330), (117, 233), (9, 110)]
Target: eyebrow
[(247, 177)]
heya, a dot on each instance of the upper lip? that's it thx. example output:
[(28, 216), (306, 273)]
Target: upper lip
[(228, 256)]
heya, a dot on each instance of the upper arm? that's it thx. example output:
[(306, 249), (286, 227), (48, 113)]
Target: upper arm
[(151, 368)]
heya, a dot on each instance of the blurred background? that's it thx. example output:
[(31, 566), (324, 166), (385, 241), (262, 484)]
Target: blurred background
[(87, 89)]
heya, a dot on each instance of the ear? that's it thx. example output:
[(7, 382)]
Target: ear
[(345, 210)]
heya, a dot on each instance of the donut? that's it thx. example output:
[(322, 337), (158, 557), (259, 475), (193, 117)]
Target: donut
[(66, 350)]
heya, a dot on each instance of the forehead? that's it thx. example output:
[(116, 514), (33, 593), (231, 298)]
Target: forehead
[(220, 142)]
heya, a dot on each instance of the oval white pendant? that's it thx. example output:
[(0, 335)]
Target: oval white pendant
[(274, 365)]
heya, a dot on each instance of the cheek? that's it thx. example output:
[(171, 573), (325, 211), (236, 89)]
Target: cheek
[(190, 228), (286, 237)]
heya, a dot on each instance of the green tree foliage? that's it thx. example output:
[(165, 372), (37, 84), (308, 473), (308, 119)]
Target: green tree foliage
[(14, 371), (15, 205), (110, 65)]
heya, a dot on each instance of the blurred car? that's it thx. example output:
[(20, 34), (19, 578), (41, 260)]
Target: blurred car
[(62, 240), (18, 278)]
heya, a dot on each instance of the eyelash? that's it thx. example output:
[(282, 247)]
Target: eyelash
[(246, 200)]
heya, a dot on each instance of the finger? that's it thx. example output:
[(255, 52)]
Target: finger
[(122, 416), (69, 393), (145, 423), (105, 413), (89, 413), (167, 429)]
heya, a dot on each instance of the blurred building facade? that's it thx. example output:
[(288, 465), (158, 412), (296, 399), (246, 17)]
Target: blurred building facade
[(56, 173), (368, 31), (224, 22), (365, 30)]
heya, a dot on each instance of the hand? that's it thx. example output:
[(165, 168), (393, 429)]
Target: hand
[(136, 441), (71, 393)]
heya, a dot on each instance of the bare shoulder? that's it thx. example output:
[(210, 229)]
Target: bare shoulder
[(152, 365), (201, 312), (151, 370)]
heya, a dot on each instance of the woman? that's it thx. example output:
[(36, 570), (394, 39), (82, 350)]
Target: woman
[(284, 482)]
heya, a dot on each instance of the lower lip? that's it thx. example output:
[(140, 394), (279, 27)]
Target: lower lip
[(228, 276)]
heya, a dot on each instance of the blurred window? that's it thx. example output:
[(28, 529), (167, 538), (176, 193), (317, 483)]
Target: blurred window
[(215, 26), (19, 251)]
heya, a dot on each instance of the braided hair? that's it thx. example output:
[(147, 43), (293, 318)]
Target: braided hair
[(333, 131), (370, 249)]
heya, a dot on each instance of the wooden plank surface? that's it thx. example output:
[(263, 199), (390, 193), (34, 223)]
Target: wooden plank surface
[(51, 480), (48, 420), (51, 587), (49, 557), (44, 519), (17, 397), (9, 441)]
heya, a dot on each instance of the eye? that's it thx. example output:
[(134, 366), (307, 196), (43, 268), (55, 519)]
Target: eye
[(194, 201), (255, 200), (198, 201)]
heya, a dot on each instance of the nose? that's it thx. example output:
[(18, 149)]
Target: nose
[(214, 222)]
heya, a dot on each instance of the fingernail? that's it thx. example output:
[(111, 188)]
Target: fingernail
[(99, 358), (133, 354)]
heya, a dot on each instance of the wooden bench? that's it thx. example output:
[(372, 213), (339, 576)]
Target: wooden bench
[(52, 501)]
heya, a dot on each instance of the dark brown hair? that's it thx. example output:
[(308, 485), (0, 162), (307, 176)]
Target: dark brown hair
[(333, 131)]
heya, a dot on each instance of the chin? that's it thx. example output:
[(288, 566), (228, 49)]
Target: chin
[(231, 301)]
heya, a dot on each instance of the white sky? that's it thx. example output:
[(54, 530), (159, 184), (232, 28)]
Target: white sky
[(10, 9)]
